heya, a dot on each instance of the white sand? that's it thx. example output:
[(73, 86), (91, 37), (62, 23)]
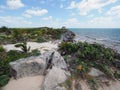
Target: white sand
[(43, 47), (27, 83)]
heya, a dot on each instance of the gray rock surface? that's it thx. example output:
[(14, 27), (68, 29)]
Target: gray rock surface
[(95, 72), (27, 67), (37, 65), (117, 63), (58, 61), (68, 36), (54, 78)]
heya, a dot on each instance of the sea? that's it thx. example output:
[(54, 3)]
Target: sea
[(108, 36)]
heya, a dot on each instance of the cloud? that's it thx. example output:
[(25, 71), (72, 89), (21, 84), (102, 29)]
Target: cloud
[(85, 6), (72, 22), (35, 12), (114, 11), (27, 15), (13, 21), (96, 22), (47, 18), (15, 4)]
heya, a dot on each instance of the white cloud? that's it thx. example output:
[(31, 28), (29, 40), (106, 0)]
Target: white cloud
[(27, 15), (114, 11), (35, 12), (72, 22), (72, 5), (85, 6), (47, 18), (72, 14), (13, 21), (97, 22), (15, 4)]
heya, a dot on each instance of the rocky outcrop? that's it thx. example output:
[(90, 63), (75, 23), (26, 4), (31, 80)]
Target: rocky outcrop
[(57, 74), (117, 63), (58, 61), (54, 79), (68, 36), (27, 67), (37, 65), (95, 72)]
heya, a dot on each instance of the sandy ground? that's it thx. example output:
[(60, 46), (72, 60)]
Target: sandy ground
[(43, 47), (27, 83)]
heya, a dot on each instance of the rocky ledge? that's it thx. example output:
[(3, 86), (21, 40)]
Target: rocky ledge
[(50, 64)]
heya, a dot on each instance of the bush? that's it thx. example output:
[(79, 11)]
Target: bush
[(23, 47), (4, 80), (2, 49), (40, 40), (35, 52), (85, 56)]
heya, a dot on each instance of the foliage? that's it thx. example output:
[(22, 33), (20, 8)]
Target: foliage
[(93, 84), (2, 49), (4, 80), (18, 35), (40, 40), (2, 52), (23, 47), (84, 56), (117, 74), (35, 52)]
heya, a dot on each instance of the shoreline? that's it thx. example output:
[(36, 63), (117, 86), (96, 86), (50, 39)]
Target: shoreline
[(113, 45)]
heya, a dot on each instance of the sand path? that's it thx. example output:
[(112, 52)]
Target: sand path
[(27, 83), (43, 47)]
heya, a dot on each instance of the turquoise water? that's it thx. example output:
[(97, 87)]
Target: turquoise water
[(108, 34)]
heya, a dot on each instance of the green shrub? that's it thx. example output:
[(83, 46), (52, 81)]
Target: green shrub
[(4, 80), (117, 74), (88, 55), (67, 47), (2, 49), (35, 52), (23, 47), (93, 84), (40, 40)]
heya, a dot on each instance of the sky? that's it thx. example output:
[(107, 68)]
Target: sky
[(58, 13)]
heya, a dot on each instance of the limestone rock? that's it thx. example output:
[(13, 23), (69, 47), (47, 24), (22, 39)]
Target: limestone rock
[(54, 78), (95, 72), (117, 63), (27, 67), (58, 61), (68, 36)]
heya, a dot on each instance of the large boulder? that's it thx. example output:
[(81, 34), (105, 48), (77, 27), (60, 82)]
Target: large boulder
[(37, 65), (68, 36), (58, 61), (54, 79), (27, 67)]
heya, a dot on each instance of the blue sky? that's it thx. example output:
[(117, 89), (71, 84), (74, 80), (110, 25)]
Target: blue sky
[(58, 13)]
